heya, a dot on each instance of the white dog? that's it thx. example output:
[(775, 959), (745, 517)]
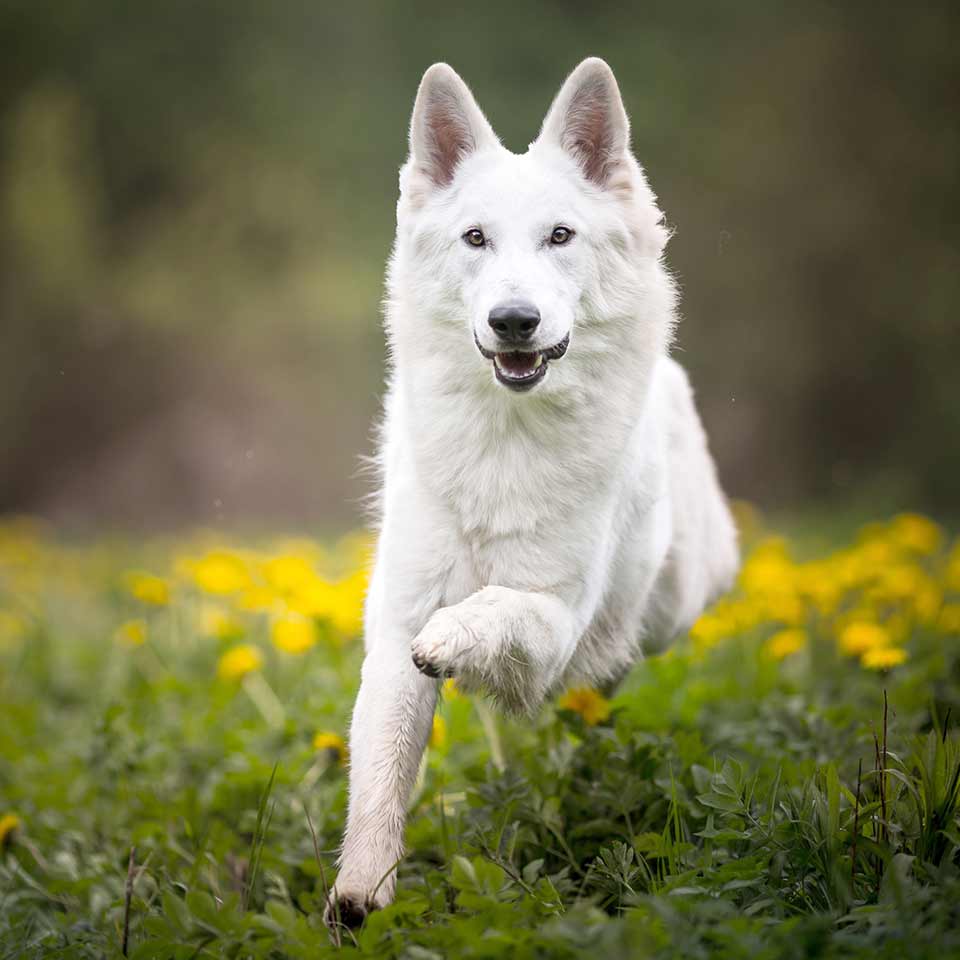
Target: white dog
[(549, 506)]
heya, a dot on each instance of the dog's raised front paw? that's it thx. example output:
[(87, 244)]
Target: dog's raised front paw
[(427, 668), (442, 647)]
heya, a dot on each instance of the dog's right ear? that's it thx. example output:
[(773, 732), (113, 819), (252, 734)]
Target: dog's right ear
[(447, 126)]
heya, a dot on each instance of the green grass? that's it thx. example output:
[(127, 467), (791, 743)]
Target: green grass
[(732, 805)]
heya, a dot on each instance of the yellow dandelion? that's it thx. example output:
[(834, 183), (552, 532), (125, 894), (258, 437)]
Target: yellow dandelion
[(859, 637), (899, 582), (951, 576), (288, 573), (438, 733), (257, 599), (148, 588), (313, 598), (346, 611), (709, 630), (769, 569), (927, 602), (589, 703), (340, 603), (293, 634), (450, 689), (131, 633), (220, 572), (331, 744), (785, 643), (949, 619), (822, 583), (238, 661), (9, 824), (883, 658), (916, 533), (785, 608)]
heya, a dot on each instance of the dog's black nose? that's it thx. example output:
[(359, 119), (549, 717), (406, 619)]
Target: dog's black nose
[(515, 321)]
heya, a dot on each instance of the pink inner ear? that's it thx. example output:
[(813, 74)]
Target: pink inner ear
[(588, 133), (449, 138)]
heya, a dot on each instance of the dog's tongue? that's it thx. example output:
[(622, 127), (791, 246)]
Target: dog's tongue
[(517, 363)]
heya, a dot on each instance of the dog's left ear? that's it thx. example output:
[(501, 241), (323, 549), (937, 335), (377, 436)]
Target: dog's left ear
[(587, 120)]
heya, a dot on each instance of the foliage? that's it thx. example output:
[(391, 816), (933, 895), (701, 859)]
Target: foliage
[(762, 790)]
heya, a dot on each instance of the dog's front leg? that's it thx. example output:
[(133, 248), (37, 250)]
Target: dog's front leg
[(514, 643), (391, 723)]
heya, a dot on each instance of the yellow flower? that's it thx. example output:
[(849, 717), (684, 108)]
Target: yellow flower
[(340, 603), (785, 608), (214, 621), (709, 630), (589, 703), (332, 744), (916, 533), (131, 633), (784, 643), (949, 620), (288, 573), (450, 689), (883, 658), (927, 602), (293, 634), (238, 661), (859, 637), (314, 598), (438, 733), (347, 616), (9, 824), (257, 599), (769, 569), (148, 588), (951, 576), (220, 572), (905, 582)]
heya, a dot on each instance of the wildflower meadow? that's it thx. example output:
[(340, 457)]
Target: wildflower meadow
[(783, 782)]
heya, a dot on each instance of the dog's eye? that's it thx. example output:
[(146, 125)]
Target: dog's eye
[(475, 238), (560, 236)]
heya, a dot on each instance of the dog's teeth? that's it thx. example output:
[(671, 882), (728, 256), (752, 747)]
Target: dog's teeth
[(523, 373)]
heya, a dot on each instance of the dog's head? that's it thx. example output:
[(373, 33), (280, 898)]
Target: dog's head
[(522, 254)]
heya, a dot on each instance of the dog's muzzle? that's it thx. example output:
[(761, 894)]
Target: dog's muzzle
[(521, 370)]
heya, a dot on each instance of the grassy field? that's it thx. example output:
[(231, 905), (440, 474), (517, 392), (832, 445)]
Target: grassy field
[(784, 783)]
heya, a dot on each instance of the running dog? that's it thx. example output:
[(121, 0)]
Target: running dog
[(549, 509)]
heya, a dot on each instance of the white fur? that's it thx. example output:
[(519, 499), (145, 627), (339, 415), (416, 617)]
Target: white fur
[(528, 541)]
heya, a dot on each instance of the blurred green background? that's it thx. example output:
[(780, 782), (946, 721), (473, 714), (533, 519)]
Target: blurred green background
[(197, 200)]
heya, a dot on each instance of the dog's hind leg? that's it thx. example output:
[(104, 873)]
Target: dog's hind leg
[(391, 723), (515, 644)]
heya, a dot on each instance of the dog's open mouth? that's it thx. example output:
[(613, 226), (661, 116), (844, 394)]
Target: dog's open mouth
[(523, 369)]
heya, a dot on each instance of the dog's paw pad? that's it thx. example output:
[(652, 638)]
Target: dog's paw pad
[(427, 668)]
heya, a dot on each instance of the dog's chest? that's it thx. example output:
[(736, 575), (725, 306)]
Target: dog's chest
[(526, 500)]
